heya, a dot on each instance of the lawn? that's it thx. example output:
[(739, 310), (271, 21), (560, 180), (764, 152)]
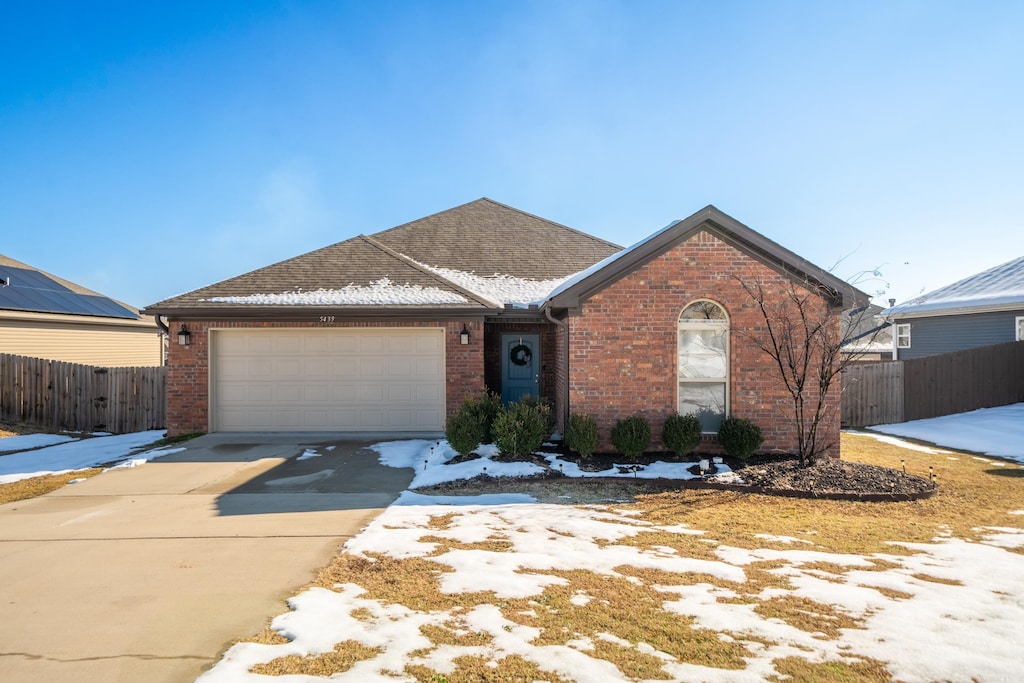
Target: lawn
[(684, 585)]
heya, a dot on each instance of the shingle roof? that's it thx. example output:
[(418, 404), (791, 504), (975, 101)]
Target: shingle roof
[(998, 288), (438, 262), (486, 237)]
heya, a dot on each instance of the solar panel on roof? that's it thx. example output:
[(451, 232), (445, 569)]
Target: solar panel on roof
[(30, 290)]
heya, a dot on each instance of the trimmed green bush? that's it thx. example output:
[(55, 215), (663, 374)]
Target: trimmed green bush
[(681, 434), (521, 428), (544, 404), (631, 436), (463, 431), (581, 435), (739, 437), (485, 408)]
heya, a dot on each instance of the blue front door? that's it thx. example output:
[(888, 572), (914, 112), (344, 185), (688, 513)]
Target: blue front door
[(520, 366)]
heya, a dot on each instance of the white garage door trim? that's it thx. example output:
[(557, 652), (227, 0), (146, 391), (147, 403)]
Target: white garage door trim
[(333, 379)]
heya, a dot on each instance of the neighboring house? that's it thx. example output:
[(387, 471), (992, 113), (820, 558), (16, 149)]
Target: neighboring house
[(392, 331), (981, 310), (867, 335), (44, 316)]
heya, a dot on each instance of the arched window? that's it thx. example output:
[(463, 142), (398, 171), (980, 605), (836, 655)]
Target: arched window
[(703, 369)]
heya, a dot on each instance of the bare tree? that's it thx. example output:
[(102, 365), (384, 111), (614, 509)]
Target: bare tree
[(802, 336)]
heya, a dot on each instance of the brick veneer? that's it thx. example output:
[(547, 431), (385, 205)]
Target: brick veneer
[(623, 350), (188, 367)]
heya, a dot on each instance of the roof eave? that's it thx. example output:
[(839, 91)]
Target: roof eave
[(315, 313), (896, 313)]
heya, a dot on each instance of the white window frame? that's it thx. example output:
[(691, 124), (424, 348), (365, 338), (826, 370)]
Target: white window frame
[(902, 336), (1020, 327), (682, 325)]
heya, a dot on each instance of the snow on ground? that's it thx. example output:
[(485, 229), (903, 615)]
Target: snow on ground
[(428, 458), (997, 432), (949, 612), (920, 637), (24, 442), (81, 454)]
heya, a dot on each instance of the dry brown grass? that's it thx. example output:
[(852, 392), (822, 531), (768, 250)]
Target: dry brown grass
[(38, 486), (342, 658), (972, 494), (859, 670)]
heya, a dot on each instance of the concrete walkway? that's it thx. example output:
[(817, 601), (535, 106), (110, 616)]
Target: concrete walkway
[(147, 574)]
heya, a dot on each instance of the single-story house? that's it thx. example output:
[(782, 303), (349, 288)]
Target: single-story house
[(392, 331), (45, 316), (981, 310), (867, 335)]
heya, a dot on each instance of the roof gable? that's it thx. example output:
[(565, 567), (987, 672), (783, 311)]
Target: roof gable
[(998, 288), (601, 275)]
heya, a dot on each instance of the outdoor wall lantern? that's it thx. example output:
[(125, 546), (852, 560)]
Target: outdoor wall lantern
[(184, 336), (464, 335)]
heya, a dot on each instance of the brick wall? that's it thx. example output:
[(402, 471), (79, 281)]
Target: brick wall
[(188, 390), (623, 344)]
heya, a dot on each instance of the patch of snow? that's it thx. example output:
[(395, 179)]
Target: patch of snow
[(24, 442), (309, 453), (993, 431), (76, 455), (382, 292), (893, 441)]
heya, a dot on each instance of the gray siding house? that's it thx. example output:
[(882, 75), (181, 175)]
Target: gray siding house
[(981, 310)]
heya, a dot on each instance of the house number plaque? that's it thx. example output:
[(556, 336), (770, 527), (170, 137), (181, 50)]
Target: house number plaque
[(326, 319)]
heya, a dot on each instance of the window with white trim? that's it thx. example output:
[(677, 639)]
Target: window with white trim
[(1020, 328), (903, 336), (703, 363)]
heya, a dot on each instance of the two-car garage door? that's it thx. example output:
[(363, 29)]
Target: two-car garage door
[(373, 379)]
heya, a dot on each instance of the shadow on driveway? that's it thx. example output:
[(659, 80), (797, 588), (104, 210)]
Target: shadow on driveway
[(312, 472)]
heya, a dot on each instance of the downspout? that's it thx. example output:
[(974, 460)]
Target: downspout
[(565, 367), (167, 331)]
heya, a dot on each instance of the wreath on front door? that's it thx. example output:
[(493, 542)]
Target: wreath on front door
[(520, 355)]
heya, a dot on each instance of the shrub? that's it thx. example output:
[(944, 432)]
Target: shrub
[(739, 437), (631, 436), (463, 431), (485, 408), (681, 433), (543, 404), (581, 434), (521, 428)]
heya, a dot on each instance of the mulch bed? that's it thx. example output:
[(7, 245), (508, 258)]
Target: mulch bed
[(779, 475)]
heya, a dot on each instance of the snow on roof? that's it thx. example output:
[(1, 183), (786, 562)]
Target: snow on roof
[(499, 288), (383, 292), (1002, 286), (583, 274)]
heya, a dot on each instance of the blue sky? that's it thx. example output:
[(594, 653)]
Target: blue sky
[(147, 149)]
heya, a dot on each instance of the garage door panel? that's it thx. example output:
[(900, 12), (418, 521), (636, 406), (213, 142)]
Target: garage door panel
[(331, 380)]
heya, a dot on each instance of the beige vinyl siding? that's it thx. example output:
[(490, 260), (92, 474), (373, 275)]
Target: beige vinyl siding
[(104, 345)]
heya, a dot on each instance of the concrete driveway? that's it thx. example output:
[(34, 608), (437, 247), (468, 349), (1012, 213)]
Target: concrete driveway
[(147, 574)]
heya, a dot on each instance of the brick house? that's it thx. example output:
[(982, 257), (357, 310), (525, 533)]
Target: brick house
[(391, 331)]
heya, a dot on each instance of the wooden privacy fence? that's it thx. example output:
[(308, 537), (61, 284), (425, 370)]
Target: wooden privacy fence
[(61, 395), (919, 388)]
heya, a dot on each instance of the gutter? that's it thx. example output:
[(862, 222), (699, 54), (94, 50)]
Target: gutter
[(162, 325)]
